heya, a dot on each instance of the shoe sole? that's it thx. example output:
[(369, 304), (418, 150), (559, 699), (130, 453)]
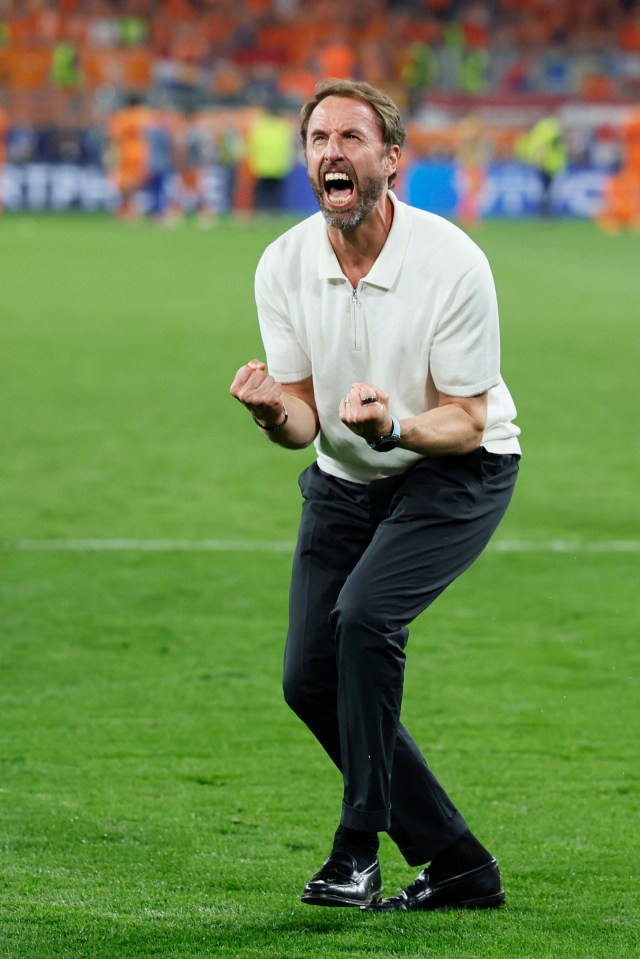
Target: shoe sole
[(495, 901), (317, 900), (484, 902)]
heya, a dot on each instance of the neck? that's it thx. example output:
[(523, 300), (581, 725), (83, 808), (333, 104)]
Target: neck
[(358, 249)]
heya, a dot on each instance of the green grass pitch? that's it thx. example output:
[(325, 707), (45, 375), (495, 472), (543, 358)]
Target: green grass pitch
[(157, 798)]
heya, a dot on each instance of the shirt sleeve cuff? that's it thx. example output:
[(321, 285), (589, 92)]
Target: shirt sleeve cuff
[(466, 390)]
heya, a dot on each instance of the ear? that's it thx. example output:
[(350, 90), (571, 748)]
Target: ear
[(392, 159)]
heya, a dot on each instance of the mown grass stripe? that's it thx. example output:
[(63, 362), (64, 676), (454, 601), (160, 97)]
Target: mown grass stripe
[(286, 546)]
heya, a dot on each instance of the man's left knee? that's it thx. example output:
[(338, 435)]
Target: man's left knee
[(363, 627)]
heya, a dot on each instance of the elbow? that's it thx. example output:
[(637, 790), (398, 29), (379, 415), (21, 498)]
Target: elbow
[(476, 424), (297, 444), (470, 435), (469, 444), (475, 437), (297, 439)]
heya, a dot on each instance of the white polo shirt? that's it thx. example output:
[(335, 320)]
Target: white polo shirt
[(425, 316)]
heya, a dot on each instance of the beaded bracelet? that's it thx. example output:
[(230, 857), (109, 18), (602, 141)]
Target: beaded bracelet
[(272, 429)]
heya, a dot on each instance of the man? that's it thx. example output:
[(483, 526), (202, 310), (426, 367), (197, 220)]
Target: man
[(270, 157), (128, 155), (544, 148), (380, 327)]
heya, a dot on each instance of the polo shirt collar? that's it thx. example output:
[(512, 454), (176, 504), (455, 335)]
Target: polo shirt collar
[(386, 268)]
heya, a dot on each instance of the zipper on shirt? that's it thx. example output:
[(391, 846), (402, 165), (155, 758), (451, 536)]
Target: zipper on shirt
[(356, 320)]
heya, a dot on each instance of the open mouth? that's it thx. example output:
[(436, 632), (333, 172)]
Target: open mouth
[(338, 188)]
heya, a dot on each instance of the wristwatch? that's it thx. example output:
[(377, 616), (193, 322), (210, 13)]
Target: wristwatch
[(382, 444)]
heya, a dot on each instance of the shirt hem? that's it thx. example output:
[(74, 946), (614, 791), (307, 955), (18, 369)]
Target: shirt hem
[(290, 377), (464, 392)]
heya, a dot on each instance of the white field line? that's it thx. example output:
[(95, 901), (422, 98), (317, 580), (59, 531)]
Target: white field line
[(149, 546), (286, 546)]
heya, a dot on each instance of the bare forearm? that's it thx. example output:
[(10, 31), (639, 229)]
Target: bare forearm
[(454, 427), (287, 415), (301, 427), (445, 431)]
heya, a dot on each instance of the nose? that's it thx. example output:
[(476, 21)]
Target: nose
[(333, 149)]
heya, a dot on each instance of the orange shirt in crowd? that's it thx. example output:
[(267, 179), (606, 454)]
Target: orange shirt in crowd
[(131, 158), (631, 137), (337, 60)]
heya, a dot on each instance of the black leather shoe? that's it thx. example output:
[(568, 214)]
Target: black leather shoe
[(480, 888), (341, 883)]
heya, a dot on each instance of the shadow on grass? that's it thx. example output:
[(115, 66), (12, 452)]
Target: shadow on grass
[(270, 928), (228, 929)]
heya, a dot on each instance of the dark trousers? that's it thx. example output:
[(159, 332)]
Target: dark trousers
[(369, 559)]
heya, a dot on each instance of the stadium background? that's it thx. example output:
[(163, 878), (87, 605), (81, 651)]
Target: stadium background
[(66, 67)]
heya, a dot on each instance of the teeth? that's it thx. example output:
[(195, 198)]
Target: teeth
[(336, 176)]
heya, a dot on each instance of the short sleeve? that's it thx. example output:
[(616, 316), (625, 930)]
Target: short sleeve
[(465, 353), (286, 360)]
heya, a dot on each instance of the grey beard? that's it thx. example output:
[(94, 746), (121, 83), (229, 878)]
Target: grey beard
[(369, 195)]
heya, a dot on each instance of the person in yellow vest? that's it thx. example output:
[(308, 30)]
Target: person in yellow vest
[(66, 72), (544, 148), (270, 158)]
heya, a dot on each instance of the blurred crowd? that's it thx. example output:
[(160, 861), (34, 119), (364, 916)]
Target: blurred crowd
[(246, 51), (189, 92), (166, 165)]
